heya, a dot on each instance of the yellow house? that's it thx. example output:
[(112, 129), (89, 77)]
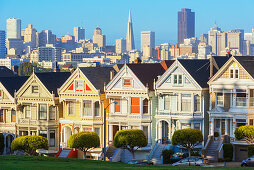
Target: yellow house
[(83, 101), (38, 107), (8, 86)]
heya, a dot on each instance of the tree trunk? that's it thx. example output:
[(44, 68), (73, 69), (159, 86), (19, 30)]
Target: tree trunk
[(132, 153), (84, 154), (189, 150)]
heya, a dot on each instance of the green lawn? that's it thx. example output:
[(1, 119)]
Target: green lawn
[(28, 162)]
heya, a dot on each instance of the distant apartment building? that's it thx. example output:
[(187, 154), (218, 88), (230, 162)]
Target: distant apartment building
[(98, 38), (13, 28), (120, 46), (14, 46), (74, 57), (147, 39), (235, 40), (49, 53), (162, 51), (174, 50), (30, 35), (68, 42), (249, 36), (185, 25), (189, 47), (218, 40), (45, 37), (204, 50), (9, 62), (34, 56), (79, 33), (2, 44)]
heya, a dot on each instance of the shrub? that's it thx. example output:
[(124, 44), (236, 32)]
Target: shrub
[(187, 138), (29, 144), (228, 152), (246, 133), (129, 139), (84, 141), (195, 153), (1, 143), (250, 150), (167, 154)]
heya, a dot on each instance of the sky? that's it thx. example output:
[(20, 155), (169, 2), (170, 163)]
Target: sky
[(111, 16)]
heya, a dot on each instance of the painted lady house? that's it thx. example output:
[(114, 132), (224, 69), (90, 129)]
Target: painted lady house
[(133, 102), (38, 107), (183, 97), (231, 103), (83, 98), (8, 119)]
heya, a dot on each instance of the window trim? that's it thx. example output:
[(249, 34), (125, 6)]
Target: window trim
[(190, 98), (178, 78), (91, 108), (234, 73), (222, 100), (39, 110), (68, 110), (123, 79)]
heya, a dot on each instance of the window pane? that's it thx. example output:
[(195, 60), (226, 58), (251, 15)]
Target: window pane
[(241, 99), (13, 116), (145, 106), (236, 74), (1, 115), (220, 99), (96, 109), (197, 103), (43, 111), (135, 105), (71, 108), (87, 108), (186, 102), (197, 126), (52, 138), (180, 79), (117, 105), (231, 73), (43, 133), (175, 79), (127, 82), (35, 89), (52, 113), (145, 130), (27, 111), (167, 102)]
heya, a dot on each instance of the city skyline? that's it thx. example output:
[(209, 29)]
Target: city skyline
[(163, 22)]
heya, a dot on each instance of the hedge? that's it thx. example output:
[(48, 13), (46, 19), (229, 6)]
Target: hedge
[(228, 151), (250, 150)]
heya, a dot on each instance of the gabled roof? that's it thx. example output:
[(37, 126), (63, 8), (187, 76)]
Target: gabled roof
[(98, 76), (199, 69), (247, 62), (6, 72), (53, 80), (148, 72), (13, 84)]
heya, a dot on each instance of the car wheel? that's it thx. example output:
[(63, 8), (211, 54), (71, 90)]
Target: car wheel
[(244, 165)]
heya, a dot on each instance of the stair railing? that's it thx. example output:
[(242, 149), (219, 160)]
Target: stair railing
[(207, 145), (150, 155)]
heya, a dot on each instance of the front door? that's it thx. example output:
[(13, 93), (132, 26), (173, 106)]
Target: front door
[(115, 129)]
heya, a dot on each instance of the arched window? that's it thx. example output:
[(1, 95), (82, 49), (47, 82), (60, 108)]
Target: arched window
[(145, 106)]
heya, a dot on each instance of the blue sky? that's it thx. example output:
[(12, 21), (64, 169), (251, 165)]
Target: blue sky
[(111, 16)]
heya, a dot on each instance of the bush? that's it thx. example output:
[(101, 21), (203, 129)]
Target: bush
[(29, 144), (245, 132), (228, 152), (84, 141), (167, 154), (250, 150), (195, 153), (1, 143), (129, 139)]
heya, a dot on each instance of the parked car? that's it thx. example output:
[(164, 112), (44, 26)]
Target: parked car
[(190, 161), (140, 162), (178, 156), (248, 162)]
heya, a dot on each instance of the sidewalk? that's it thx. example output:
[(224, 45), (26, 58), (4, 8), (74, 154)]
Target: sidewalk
[(228, 164)]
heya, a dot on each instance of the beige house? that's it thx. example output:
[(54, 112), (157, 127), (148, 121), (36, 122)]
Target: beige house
[(38, 107)]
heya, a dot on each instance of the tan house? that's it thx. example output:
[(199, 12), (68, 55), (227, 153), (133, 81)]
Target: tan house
[(8, 86), (38, 107)]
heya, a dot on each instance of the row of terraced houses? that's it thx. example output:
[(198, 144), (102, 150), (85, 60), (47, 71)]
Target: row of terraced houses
[(214, 95)]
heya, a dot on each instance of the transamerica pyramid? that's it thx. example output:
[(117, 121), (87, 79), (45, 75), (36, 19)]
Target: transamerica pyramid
[(129, 36)]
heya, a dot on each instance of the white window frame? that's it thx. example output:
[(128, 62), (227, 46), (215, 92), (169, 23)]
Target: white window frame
[(222, 105), (79, 81), (67, 105), (131, 81), (234, 73), (190, 98), (178, 75)]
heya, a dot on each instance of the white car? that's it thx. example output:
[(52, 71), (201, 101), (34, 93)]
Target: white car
[(190, 161)]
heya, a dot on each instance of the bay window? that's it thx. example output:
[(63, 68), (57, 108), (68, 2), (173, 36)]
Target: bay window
[(196, 103), (42, 112), (220, 101), (186, 102), (167, 102), (241, 97), (96, 109), (87, 108), (71, 108)]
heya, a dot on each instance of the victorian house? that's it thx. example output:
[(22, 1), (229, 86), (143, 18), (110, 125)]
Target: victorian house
[(83, 98), (8, 87), (183, 96), (231, 101), (132, 100), (38, 107)]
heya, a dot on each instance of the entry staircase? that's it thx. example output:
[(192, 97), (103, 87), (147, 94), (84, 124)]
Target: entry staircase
[(110, 152), (64, 153)]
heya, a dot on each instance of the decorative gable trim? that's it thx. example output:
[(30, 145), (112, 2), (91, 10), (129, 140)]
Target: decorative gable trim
[(10, 97)]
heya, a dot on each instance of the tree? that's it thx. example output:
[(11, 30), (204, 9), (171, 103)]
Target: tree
[(29, 144), (1, 143), (84, 141), (246, 133), (187, 138), (129, 139), (25, 69)]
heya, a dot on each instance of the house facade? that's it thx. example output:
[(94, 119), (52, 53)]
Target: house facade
[(38, 107), (83, 100), (8, 86)]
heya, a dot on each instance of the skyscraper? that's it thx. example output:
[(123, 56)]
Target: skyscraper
[(98, 38), (129, 36), (2, 44), (30, 35), (147, 39), (79, 33), (120, 46), (185, 25), (13, 28)]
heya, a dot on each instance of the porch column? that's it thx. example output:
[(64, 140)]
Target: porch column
[(64, 131), (231, 127), (4, 152), (110, 133), (169, 129), (211, 127), (226, 126), (160, 130), (234, 127)]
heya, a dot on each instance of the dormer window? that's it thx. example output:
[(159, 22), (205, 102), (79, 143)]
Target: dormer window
[(234, 73), (178, 79), (127, 82)]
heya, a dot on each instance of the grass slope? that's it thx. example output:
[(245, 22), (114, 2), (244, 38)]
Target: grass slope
[(29, 162)]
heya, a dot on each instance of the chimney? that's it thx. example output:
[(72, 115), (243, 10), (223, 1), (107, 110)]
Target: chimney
[(56, 67), (164, 65), (112, 74)]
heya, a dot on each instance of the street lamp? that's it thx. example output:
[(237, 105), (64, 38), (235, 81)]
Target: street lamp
[(104, 122)]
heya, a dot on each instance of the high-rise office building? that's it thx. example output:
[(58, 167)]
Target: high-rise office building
[(30, 35), (120, 46), (129, 36), (235, 40), (50, 53), (98, 38), (45, 37), (185, 25), (147, 39), (218, 40), (79, 33), (2, 44), (13, 28), (249, 36)]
